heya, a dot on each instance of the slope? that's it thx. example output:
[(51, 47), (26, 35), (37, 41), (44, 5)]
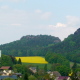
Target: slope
[(29, 45), (70, 47)]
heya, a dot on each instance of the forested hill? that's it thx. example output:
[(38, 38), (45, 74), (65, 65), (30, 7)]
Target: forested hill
[(29, 45), (70, 47)]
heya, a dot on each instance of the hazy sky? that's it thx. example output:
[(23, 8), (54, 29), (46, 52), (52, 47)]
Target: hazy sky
[(19, 18)]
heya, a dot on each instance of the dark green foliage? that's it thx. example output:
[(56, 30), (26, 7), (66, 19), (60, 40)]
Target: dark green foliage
[(63, 70), (37, 68), (45, 68), (74, 67), (21, 69), (70, 47), (25, 76), (59, 63), (54, 65), (29, 45), (6, 61), (13, 59), (57, 58), (19, 61)]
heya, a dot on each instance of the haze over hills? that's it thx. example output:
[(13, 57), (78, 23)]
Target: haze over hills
[(29, 45)]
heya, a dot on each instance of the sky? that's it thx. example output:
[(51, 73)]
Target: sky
[(18, 18)]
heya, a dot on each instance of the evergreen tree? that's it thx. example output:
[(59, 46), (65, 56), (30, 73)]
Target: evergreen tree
[(45, 68), (19, 61), (6, 61), (13, 59), (74, 67), (37, 68)]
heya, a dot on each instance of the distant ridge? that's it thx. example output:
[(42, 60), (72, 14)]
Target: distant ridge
[(77, 32), (70, 47), (29, 45)]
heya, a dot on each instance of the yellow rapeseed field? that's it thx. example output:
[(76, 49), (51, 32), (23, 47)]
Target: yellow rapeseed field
[(33, 59)]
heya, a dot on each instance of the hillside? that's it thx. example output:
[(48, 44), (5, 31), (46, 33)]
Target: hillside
[(6, 60), (29, 45), (70, 47)]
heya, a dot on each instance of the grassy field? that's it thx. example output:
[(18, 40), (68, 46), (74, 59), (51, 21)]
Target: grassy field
[(41, 66)]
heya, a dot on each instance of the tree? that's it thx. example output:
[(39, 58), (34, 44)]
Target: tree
[(37, 68), (22, 69), (19, 61), (74, 67), (54, 65), (64, 70), (25, 76), (6, 61), (45, 68), (13, 59), (19, 68), (30, 53)]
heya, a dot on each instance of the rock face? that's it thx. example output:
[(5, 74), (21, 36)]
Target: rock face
[(41, 38), (77, 32)]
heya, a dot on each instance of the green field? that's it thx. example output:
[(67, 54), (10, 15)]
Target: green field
[(41, 66)]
